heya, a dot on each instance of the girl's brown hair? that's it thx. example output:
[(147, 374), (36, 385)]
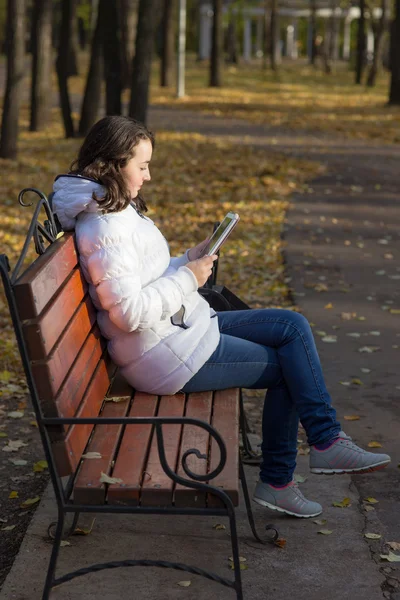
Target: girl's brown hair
[(107, 148)]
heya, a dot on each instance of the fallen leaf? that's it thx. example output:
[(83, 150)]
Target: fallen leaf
[(372, 536), (369, 349), (320, 521), (357, 381), (364, 370), (395, 311), (13, 495), (15, 414), (351, 417), (345, 503), (329, 305), (371, 500), (5, 376), (347, 316), (104, 478), (64, 543), (394, 545), (329, 338), (79, 531), (325, 531), (242, 566), (280, 542), (3, 434), (242, 559), (355, 334), (299, 478), (374, 445), (40, 466), (92, 455), (18, 462), (30, 502), (219, 526), (376, 333), (184, 583), (8, 528), (13, 446), (344, 382), (368, 507), (391, 557), (117, 399)]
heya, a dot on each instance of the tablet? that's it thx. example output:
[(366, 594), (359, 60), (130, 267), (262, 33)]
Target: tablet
[(221, 233)]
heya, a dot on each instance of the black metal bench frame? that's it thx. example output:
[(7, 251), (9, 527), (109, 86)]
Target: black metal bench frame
[(43, 235)]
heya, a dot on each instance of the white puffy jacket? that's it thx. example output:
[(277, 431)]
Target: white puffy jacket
[(139, 291)]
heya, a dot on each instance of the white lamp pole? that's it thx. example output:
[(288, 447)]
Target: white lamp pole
[(181, 49)]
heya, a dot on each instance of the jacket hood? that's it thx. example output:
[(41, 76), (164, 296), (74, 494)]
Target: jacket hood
[(72, 195)]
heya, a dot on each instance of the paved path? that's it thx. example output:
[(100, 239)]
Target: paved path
[(335, 238)]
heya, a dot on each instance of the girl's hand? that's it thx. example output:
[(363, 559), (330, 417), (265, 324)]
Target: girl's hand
[(202, 268), (197, 251)]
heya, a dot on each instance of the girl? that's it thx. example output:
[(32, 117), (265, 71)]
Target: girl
[(165, 337)]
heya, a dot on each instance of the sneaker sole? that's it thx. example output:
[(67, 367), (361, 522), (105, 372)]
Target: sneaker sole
[(342, 471), (283, 510)]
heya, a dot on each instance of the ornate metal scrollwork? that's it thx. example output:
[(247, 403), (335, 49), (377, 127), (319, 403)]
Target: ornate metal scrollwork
[(39, 232)]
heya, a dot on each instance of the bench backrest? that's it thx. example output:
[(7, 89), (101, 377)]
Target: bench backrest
[(68, 356)]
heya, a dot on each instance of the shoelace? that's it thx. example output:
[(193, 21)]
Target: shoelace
[(352, 445), (299, 492)]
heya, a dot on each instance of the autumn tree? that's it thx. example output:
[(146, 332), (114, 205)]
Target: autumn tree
[(361, 43), (63, 65), (92, 96), (168, 42), (275, 53), (15, 47), (379, 28), (147, 22), (41, 63), (216, 45), (112, 57), (394, 94), (313, 28), (127, 15)]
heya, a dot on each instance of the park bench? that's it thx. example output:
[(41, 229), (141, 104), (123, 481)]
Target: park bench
[(165, 455)]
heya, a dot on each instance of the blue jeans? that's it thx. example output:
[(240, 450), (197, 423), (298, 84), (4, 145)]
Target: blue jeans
[(275, 349)]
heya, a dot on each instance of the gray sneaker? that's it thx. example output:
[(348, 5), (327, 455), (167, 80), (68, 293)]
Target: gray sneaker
[(287, 500), (345, 457)]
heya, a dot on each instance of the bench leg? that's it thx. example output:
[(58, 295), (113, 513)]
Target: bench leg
[(54, 555), (248, 455), (273, 534)]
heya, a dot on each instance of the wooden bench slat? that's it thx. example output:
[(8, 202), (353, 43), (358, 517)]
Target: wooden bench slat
[(71, 393), (131, 460), (42, 333), (157, 489), (87, 488), (226, 421), (198, 406), (38, 284), (68, 452), (50, 374)]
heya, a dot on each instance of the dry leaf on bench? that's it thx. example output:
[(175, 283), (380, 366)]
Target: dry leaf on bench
[(219, 526), (107, 479), (92, 455)]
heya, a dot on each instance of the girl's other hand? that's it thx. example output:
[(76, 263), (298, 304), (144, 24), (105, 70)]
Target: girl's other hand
[(202, 268), (197, 251)]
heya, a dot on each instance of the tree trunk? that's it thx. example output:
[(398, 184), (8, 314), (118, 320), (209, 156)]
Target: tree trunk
[(378, 46), (313, 27), (232, 41), (92, 98), (74, 41), (127, 13), (394, 94), (216, 45), (267, 34), (15, 72), (41, 93), (147, 23), (168, 43), (275, 37), (62, 65), (360, 57), (112, 57)]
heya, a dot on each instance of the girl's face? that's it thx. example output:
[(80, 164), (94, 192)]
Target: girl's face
[(136, 171)]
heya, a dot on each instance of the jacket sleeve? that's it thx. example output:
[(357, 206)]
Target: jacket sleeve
[(179, 261), (114, 270)]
